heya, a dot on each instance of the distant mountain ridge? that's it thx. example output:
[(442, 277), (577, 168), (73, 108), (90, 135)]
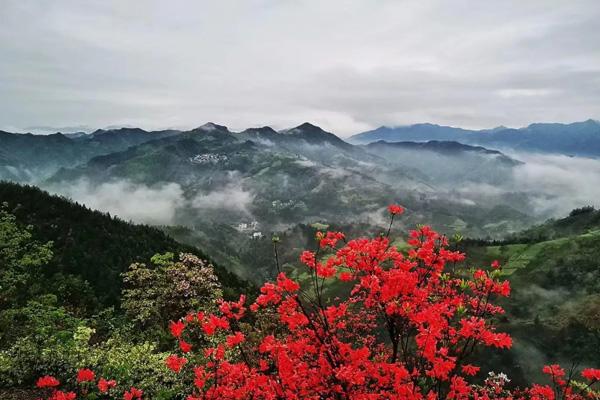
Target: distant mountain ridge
[(447, 162), (578, 138), (25, 157)]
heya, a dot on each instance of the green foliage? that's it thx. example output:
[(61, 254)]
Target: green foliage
[(63, 352), (162, 259), (582, 210), (130, 364), (37, 338), (166, 290), (45, 338), (20, 258)]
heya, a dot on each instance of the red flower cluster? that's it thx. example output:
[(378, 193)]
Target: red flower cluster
[(133, 394), (433, 320), (395, 209), (50, 382), (175, 363), (105, 385), (47, 382), (408, 329), (85, 375), (562, 387), (83, 378), (591, 374)]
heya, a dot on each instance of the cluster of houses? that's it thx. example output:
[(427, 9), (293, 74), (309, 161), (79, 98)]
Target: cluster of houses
[(250, 227), (278, 205), (208, 158)]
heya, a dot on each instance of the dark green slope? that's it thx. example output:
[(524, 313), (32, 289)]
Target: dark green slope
[(554, 270), (579, 221), (91, 245)]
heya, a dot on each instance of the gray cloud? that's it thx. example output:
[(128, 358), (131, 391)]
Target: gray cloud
[(139, 203), (544, 186), (346, 65), (231, 197), (558, 184), (164, 204)]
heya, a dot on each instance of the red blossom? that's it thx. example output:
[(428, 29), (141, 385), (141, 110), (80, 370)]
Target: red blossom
[(175, 363), (591, 374), (176, 328), (47, 382), (105, 385), (60, 395), (395, 209), (470, 370), (185, 346), (234, 340), (85, 375), (133, 394)]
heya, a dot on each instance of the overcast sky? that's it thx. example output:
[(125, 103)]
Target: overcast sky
[(347, 66)]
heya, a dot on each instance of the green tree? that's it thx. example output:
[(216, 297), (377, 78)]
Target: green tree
[(20, 260), (166, 290)]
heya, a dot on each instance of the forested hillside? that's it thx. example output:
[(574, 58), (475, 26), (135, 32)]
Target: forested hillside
[(92, 248), (554, 269)]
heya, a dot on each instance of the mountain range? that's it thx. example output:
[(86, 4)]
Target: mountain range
[(578, 138), (303, 174)]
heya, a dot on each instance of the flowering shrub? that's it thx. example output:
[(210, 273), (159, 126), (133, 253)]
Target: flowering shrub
[(88, 387), (408, 329)]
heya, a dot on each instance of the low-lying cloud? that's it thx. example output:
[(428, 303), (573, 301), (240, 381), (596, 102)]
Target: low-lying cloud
[(155, 205), (232, 197), (558, 183), (543, 186)]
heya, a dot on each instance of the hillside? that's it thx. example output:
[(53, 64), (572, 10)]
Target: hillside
[(92, 247), (554, 308), (579, 221)]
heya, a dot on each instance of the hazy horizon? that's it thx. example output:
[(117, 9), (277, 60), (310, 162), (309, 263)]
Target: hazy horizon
[(47, 130)]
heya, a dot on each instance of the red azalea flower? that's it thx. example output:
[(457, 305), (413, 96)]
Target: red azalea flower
[(175, 363), (105, 385), (591, 374), (345, 276), (133, 394), (234, 340), (59, 395), (47, 382), (176, 328), (85, 375), (470, 370), (185, 346), (395, 209)]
